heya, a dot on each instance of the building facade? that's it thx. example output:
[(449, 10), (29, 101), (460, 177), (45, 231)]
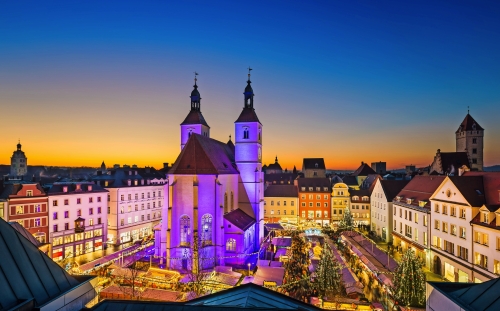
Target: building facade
[(384, 191), (360, 206), (26, 203), (134, 204), (78, 218), (281, 204), (470, 139), (314, 200), (340, 201)]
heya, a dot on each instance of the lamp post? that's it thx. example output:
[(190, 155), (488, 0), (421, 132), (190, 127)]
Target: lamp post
[(249, 264)]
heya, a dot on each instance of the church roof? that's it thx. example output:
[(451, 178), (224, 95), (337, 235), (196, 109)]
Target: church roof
[(247, 115), (195, 117), (469, 124), (364, 170), (26, 273), (240, 219), (204, 156)]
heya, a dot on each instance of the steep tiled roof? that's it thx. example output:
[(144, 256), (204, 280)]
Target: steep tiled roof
[(287, 191), (451, 161), (315, 182), (420, 188), (202, 156), (471, 187), (26, 273), (392, 187), (491, 184), (469, 124), (247, 115), (364, 170), (240, 219), (57, 188), (310, 163), (195, 117)]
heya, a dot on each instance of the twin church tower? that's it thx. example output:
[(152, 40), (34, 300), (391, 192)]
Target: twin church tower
[(216, 192)]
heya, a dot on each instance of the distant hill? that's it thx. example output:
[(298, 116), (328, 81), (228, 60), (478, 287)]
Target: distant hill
[(494, 168)]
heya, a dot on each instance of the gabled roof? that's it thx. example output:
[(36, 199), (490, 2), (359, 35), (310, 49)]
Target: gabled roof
[(314, 182), (472, 296), (195, 117), (392, 187), (26, 273), (469, 124), (420, 188), (364, 170), (491, 184), (240, 219), (247, 297), (313, 163), (350, 180), (471, 187), (204, 156), (247, 115), (285, 191)]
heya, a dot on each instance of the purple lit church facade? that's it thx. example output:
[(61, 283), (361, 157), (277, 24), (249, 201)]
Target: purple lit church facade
[(215, 194)]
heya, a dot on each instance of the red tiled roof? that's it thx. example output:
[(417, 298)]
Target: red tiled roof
[(471, 187), (491, 184), (204, 156), (468, 125), (420, 188)]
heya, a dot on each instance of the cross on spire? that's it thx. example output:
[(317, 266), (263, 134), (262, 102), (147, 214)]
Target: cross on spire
[(468, 109), (195, 79), (249, 69)]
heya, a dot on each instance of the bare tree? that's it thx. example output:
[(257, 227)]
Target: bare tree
[(129, 278)]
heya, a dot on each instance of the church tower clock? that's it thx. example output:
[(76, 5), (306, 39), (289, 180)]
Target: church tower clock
[(248, 157)]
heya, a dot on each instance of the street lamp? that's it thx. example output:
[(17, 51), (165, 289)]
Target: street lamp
[(249, 269)]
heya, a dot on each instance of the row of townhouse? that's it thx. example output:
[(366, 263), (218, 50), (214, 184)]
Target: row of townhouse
[(77, 217), (451, 222)]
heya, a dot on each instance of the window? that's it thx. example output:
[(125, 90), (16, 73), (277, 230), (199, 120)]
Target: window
[(231, 245), (303, 214), (54, 216), (91, 211), (496, 266), (481, 238), (54, 228), (462, 232), (66, 214), (284, 203), (98, 210), (453, 230), (99, 220), (292, 203), (310, 204), (91, 221), (246, 133), (136, 218), (462, 213), (38, 208), (137, 207), (54, 203), (122, 197), (498, 243), (408, 231), (415, 236), (474, 151), (453, 211), (122, 222), (284, 212), (425, 220), (394, 227), (90, 200), (445, 210), (436, 224), (445, 227), (185, 230), (292, 212), (325, 204), (98, 199), (474, 140), (29, 193), (272, 212), (129, 220), (66, 226), (318, 204), (449, 247), (66, 202), (318, 214), (38, 222), (416, 218), (78, 201), (481, 260), (310, 214), (436, 208), (303, 204), (278, 212), (485, 217), (463, 253), (425, 238)]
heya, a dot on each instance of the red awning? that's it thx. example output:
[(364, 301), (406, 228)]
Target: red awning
[(97, 244), (58, 254)]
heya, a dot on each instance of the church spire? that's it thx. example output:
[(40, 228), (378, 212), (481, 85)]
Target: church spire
[(249, 92), (195, 95)]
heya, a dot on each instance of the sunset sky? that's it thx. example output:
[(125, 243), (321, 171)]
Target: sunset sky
[(349, 81)]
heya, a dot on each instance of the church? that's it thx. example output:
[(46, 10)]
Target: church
[(214, 212)]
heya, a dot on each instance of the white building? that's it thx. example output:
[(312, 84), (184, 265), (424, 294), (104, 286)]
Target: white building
[(383, 193), (281, 204), (411, 215), (77, 218), (135, 200)]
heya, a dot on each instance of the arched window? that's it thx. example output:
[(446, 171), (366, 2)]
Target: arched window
[(231, 245), (246, 133), (206, 227), (225, 203), (185, 230), (232, 201)]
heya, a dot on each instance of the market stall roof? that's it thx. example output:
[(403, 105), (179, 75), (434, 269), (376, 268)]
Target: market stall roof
[(282, 241), (274, 274)]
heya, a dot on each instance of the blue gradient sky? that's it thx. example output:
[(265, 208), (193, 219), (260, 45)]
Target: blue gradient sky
[(349, 81)]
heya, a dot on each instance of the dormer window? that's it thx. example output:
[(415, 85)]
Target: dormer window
[(398, 198), (65, 189), (303, 188), (408, 201), (422, 203), (136, 182), (129, 173), (355, 198), (485, 217), (142, 182), (29, 193), (310, 188), (316, 165), (129, 182), (89, 188), (318, 189)]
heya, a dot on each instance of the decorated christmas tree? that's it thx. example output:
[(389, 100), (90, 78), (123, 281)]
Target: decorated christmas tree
[(347, 222), (296, 278), (409, 281), (328, 279)]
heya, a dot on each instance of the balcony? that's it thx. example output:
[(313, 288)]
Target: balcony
[(79, 225)]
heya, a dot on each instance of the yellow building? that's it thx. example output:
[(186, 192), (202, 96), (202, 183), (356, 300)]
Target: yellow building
[(340, 200), (281, 204)]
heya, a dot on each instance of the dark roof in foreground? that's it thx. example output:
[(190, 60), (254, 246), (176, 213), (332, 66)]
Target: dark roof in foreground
[(247, 296), (240, 219), (286, 191), (26, 273), (472, 296), (202, 156)]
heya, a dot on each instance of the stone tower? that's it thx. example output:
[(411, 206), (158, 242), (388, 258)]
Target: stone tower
[(248, 157), (18, 162), (194, 122), (470, 139)]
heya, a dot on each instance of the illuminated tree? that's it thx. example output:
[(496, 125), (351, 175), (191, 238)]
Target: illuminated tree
[(347, 222), (328, 279), (297, 273), (409, 280)]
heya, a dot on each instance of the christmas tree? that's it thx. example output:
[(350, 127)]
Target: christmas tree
[(409, 281), (328, 279), (347, 222), (297, 269)]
